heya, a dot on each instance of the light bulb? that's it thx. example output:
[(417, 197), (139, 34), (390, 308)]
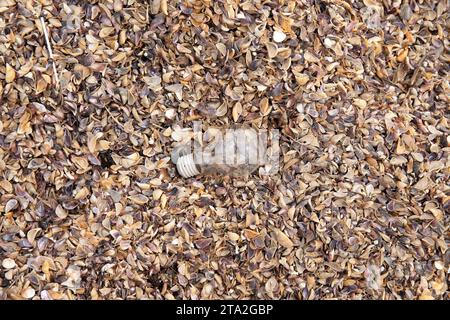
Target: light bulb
[(234, 152)]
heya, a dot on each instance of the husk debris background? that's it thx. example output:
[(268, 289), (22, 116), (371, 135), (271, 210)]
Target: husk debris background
[(91, 206)]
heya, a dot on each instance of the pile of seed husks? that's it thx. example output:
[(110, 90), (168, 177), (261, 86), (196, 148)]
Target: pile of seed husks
[(91, 207)]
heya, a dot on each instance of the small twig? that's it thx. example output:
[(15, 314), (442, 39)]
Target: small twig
[(49, 49), (120, 124), (114, 118)]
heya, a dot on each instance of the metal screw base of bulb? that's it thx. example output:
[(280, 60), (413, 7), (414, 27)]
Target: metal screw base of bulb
[(186, 166)]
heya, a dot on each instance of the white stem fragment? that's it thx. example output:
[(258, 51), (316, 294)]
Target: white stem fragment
[(49, 49)]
